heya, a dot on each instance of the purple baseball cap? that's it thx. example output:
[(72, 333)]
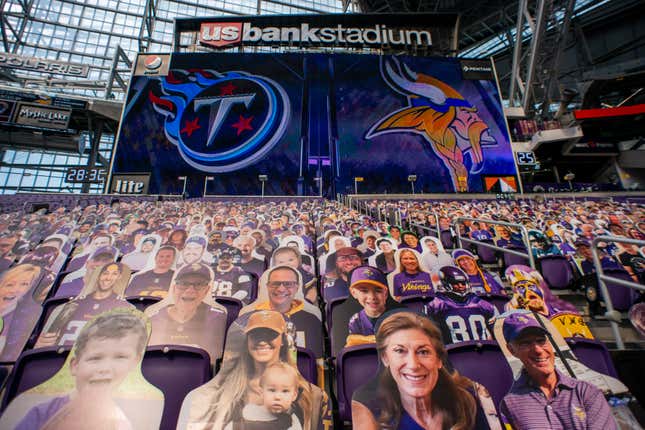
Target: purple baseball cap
[(368, 275), (581, 241), (518, 323), (458, 253), (195, 269)]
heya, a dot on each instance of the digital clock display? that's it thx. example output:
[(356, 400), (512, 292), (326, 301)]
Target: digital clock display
[(85, 174)]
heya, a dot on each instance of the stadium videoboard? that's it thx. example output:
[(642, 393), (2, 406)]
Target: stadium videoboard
[(299, 117)]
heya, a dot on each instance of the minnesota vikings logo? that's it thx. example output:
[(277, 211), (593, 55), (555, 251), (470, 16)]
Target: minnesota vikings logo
[(221, 122), (448, 122)]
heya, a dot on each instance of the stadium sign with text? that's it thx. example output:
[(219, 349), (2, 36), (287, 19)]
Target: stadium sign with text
[(421, 33), (43, 65), (224, 34), (42, 116)]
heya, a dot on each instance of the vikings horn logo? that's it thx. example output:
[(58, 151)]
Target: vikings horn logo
[(221, 122), (448, 122)]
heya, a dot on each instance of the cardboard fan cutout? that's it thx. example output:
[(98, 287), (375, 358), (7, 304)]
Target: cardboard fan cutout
[(100, 384), (18, 308), (411, 277), (189, 315), (280, 289), (104, 291), (259, 362), (567, 363)]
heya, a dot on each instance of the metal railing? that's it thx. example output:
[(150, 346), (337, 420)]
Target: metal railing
[(525, 237), (612, 315)]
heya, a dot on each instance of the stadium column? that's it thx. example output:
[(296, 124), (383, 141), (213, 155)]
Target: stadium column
[(317, 123), (304, 131), (96, 130)]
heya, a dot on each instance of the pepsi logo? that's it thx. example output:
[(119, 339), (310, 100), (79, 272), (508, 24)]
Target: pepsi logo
[(152, 62)]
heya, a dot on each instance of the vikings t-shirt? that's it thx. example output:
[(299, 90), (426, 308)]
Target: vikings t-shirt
[(405, 284), (206, 329), (461, 321), (149, 283), (234, 283), (361, 324)]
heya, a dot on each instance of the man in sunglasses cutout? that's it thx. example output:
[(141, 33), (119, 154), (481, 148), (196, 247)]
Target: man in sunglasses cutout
[(188, 319)]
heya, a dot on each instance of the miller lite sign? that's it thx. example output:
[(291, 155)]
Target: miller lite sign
[(130, 184)]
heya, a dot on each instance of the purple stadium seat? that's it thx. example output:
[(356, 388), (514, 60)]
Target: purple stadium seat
[(556, 271), (416, 303), (33, 368), (510, 259), (307, 365), (622, 298), (486, 255), (329, 310), (233, 307), (483, 362), (354, 366), (48, 307), (496, 300), (593, 354), (142, 302), (175, 370), (446, 239)]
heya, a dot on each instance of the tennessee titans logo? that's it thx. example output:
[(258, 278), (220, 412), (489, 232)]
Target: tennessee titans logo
[(221, 122)]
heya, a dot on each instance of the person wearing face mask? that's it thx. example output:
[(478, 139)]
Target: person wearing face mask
[(462, 315), (543, 397), (264, 342)]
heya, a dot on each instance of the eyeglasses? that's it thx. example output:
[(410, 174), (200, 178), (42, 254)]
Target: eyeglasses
[(528, 343), (197, 286), (286, 284), (349, 258)]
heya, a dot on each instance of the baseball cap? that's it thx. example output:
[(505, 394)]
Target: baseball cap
[(519, 323), (271, 320), (195, 269), (581, 241), (368, 275), (458, 253)]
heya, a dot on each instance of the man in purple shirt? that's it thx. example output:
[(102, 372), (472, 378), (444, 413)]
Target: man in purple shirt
[(542, 397)]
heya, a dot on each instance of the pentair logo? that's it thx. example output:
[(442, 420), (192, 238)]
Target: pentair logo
[(220, 34), (153, 62)]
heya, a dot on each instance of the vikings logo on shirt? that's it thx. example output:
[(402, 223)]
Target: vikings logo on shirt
[(221, 122)]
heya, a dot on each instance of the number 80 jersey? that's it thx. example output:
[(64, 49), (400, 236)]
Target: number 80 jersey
[(461, 321)]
